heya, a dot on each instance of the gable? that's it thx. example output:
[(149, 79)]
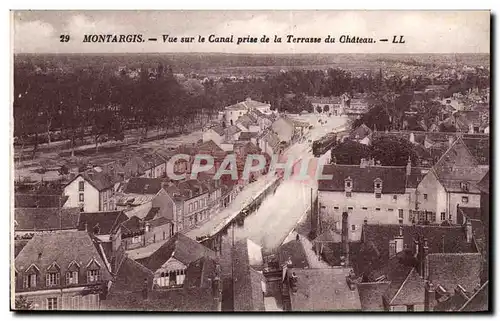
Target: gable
[(171, 264)]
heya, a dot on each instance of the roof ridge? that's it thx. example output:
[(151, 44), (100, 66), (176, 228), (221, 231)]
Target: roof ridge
[(401, 286)]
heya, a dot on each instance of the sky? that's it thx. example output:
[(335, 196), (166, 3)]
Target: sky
[(423, 31)]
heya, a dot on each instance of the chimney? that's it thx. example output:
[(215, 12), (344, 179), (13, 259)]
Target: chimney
[(345, 237), (362, 163), (145, 289), (398, 240), (408, 167), (468, 231), (430, 296), (423, 259)]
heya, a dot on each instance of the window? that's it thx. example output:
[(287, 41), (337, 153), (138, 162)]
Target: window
[(30, 281), (80, 197), (353, 227), (401, 213), (105, 207), (425, 197), (348, 184), (377, 185), (348, 194), (390, 209), (136, 239), (365, 208), (52, 303), (190, 208), (72, 277), (52, 279), (394, 198), (81, 186), (443, 216), (164, 235), (377, 209), (335, 207), (349, 208), (465, 199), (378, 195), (93, 276)]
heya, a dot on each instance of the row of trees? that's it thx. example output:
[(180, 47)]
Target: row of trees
[(390, 151)]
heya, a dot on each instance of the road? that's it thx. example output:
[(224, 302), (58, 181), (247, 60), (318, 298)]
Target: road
[(280, 212)]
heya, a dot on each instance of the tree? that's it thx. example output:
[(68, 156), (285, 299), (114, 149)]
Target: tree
[(22, 303), (350, 152), (393, 151)]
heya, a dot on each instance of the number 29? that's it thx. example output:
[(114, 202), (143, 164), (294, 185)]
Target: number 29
[(64, 38)]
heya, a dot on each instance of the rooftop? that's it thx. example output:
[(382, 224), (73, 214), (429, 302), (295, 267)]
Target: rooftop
[(324, 290), (101, 223), (143, 185), (43, 219)]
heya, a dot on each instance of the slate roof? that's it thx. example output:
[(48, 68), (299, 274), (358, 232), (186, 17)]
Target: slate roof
[(100, 180), (126, 292), (293, 252), (411, 291), (393, 178), (180, 247), (247, 136), (484, 183), (108, 222), (19, 245), (62, 247), (247, 281), (370, 295), (152, 213), (324, 290), (452, 269), (37, 200), (471, 212), (231, 130), (218, 129), (43, 219), (374, 252), (479, 300), (416, 176), (143, 185), (132, 225), (246, 121)]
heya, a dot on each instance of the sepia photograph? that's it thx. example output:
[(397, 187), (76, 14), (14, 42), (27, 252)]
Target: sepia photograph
[(250, 161)]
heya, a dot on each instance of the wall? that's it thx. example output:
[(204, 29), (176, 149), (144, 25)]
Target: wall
[(456, 198), (211, 135), (195, 212), (68, 299), (436, 196), (164, 202), (90, 195), (107, 200), (156, 234), (234, 115), (329, 200)]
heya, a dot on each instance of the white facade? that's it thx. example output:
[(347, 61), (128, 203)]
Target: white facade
[(211, 135), (88, 198), (432, 196), (387, 209)]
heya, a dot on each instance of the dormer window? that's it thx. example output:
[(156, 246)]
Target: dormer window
[(377, 186), (31, 277), (93, 272), (72, 273), (53, 275), (348, 186), (464, 186)]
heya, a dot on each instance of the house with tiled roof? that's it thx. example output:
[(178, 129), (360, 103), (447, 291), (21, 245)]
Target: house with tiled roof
[(321, 290), (134, 289), (139, 232), (92, 191), (328, 105), (233, 112), (270, 143), (366, 192), (40, 220), (25, 200), (397, 263), (450, 183), (248, 123), (62, 270), (214, 133), (170, 262), (284, 128)]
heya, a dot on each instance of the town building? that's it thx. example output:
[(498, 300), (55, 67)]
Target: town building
[(63, 270), (368, 193), (91, 191), (233, 112), (450, 183)]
